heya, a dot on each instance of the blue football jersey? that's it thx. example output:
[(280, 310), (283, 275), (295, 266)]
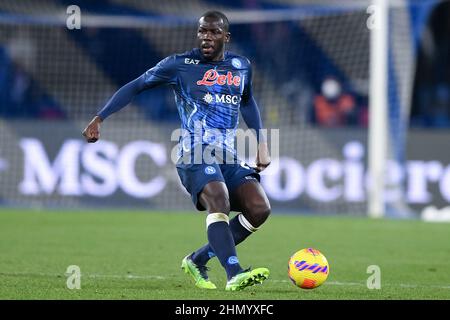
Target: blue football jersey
[(208, 95)]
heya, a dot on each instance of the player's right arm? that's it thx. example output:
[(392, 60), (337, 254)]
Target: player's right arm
[(120, 99), (163, 73)]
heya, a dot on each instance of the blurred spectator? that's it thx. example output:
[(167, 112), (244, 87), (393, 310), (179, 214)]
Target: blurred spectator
[(20, 92), (363, 111), (333, 107), (440, 112), (15, 88), (20, 96), (431, 96), (300, 96), (4, 79)]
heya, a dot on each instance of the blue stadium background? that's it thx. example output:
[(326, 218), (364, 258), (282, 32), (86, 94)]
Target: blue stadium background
[(297, 58), (50, 74)]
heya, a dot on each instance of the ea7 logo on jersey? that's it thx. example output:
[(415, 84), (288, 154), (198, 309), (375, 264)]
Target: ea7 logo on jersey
[(212, 77), (191, 61), (222, 98)]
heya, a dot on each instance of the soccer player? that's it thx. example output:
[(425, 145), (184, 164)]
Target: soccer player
[(211, 85)]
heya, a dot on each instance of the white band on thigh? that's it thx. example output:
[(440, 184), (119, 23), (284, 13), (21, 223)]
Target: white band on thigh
[(247, 225), (216, 217)]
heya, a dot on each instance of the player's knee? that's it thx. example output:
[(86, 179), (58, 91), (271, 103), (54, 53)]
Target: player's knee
[(215, 198), (258, 214), (219, 202)]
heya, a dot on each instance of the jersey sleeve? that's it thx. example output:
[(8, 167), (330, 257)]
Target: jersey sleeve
[(165, 72), (250, 110), (122, 97), (248, 90)]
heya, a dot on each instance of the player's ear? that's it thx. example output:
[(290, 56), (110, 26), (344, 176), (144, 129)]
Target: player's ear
[(228, 37)]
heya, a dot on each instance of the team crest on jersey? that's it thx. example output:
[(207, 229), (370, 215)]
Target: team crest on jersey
[(212, 77), (210, 170), (236, 63)]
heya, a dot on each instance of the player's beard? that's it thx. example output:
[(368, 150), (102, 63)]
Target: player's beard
[(213, 52)]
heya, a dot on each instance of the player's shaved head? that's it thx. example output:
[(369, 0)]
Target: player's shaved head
[(217, 16)]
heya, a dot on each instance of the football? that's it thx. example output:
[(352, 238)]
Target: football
[(308, 268)]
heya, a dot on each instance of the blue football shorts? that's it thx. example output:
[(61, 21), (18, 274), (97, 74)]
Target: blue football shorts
[(194, 177)]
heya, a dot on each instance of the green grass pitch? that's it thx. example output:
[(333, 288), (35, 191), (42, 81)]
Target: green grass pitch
[(137, 255)]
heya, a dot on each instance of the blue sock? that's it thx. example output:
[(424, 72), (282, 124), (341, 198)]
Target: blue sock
[(222, 243), (202, 255)]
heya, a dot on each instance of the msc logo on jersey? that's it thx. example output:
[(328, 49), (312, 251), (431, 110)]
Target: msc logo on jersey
[(212, 77), (222, 98), (208, 98)]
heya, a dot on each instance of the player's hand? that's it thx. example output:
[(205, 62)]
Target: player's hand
[(92, 131), (262, 157)]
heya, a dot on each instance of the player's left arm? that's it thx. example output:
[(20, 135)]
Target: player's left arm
[(252, 117)]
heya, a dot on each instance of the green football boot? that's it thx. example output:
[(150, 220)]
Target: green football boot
[(247, 279), (198, 273)]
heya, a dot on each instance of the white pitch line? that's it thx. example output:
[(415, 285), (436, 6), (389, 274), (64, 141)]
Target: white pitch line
[(361, 284), (128, 276), (422, 286), (158, 277), (107, 276), (335, 283), (328, 282)]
